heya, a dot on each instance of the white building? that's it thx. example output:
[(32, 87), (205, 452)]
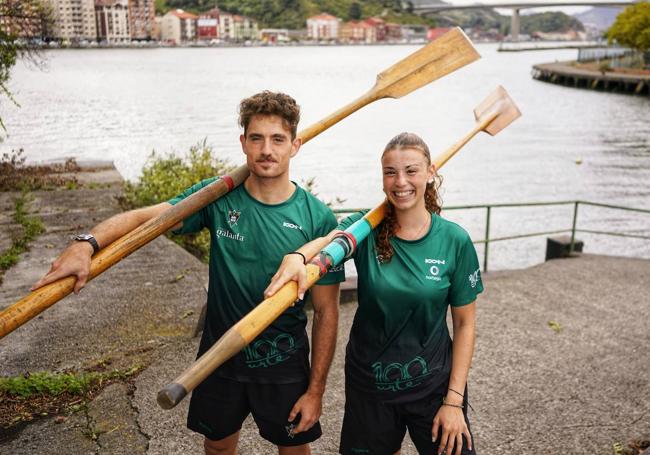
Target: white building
[(113, 21), (74, 20), (178, 26), (323, 27)]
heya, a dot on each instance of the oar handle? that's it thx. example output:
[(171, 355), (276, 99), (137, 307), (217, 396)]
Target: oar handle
[(39, 300)]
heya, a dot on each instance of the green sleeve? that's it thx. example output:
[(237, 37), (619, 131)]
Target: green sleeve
[(466, 281), (347, 222), (196, 221)]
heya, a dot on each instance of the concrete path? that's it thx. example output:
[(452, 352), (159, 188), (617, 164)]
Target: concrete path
[(574, 390)]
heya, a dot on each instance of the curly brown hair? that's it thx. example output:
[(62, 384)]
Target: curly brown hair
[(270, 103), (432, 199)]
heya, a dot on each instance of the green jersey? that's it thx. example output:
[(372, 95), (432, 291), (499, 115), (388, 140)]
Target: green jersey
[(248, 241), (400, 348)]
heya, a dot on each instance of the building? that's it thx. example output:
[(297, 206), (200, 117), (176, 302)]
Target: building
[(323, 27), (357, 32), (274, 35), (415, 33), (393, 32), (113, 21), (379, 26), (23, 19), (233, 27), (74, 20), (207, 25), (142, 16), (178, 26), (435, 33)]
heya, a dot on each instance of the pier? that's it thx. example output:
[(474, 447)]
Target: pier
[(567, 74)]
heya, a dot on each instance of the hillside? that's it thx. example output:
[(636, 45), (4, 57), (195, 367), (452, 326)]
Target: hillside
[(600, 18)]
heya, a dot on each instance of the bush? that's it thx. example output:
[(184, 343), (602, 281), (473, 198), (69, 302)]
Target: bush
[(165, 176)]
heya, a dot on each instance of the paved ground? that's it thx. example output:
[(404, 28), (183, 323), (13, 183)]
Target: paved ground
[(534, 390)]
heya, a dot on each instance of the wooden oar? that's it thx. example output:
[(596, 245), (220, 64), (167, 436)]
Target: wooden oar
[(448, 53), (492, 115)]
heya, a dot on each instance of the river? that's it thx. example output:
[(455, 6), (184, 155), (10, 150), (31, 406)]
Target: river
[(120, 104)]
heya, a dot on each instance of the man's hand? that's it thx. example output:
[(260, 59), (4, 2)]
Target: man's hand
[(309, 406), (74, 261)]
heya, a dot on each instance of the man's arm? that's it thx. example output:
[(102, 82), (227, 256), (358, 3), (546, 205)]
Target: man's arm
[(75, 259), (325, 299)]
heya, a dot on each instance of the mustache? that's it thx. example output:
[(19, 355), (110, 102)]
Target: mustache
[(266, 159)]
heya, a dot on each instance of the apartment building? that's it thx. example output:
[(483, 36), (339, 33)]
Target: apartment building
[(142, 17), (178, 26), (323, 27), (74, 20), (113, 24)]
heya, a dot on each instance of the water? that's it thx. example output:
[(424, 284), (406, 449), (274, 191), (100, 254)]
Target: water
[(121, 104)]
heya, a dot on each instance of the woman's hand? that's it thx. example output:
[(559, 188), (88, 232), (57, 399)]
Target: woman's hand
[(450, 421), (291, 269)]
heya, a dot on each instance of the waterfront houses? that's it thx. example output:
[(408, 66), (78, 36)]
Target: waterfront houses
[(113, 21), (207, 25), (178, 26), (323, 27)]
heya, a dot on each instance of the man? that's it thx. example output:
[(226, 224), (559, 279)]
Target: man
[(251, 228)]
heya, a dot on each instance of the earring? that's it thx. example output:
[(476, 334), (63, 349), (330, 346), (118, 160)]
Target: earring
[(430, 181)]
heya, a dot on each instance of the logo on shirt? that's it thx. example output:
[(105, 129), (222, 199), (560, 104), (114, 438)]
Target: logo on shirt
[(265, 353), (434, 268), (396, 376), (292, 226), (475, 277), (233, 217)]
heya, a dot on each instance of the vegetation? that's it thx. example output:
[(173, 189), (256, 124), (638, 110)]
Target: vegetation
[(293, 14), (31, 227), (24, 398), (550, 22), (632, 27), (165, 176), (15, 175)]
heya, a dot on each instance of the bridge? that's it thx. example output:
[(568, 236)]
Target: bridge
[(515, 24)]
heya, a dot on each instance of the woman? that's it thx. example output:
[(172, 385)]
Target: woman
[(402, 370)]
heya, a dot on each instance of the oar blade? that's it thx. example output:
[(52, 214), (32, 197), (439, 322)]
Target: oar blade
[(498, 102), (451, 51)]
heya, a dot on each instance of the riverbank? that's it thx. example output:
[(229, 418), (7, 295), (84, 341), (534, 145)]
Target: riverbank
[(572, 74), (559, 365)]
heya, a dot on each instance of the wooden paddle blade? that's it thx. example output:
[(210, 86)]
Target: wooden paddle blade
[(442, 56), (499, 103)]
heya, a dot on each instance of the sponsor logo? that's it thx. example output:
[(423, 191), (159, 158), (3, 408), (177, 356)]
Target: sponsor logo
[(434, 269), (233, 217), (229, 235), (475, 277), (265, 353), (290, 430), (397, 376), (292, 226), (337, 268)]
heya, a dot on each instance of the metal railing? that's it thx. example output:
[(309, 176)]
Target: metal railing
[(573, 230)]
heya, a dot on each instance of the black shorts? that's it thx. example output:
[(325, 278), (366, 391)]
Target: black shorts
[(219, 406), (373, 427)]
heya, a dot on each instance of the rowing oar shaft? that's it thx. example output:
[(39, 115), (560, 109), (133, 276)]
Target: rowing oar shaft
[(446, 54), (235, 339)]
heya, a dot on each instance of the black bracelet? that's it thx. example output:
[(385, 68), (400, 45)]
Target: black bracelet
[(444, 403), (457, 393), (304, 259)]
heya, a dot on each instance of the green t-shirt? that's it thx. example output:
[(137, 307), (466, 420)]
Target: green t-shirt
[(248, 241), (400, 348)]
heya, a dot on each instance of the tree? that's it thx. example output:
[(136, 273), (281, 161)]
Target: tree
[(632, 27), (355, 11), (22, 22)]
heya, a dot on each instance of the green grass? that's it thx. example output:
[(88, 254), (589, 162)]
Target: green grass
[(54, 384), (31, 227)]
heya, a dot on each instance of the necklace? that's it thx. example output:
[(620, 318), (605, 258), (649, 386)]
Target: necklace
[(422, 228)]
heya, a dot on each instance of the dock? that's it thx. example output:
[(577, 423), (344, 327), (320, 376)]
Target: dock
[(565, 73)]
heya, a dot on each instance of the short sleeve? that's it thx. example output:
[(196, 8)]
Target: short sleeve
[(466, 281), (196, 221)]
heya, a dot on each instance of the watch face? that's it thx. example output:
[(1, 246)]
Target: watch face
[(83, 237)]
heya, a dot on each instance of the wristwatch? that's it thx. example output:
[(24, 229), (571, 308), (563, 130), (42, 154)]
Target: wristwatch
[(87, 238)]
